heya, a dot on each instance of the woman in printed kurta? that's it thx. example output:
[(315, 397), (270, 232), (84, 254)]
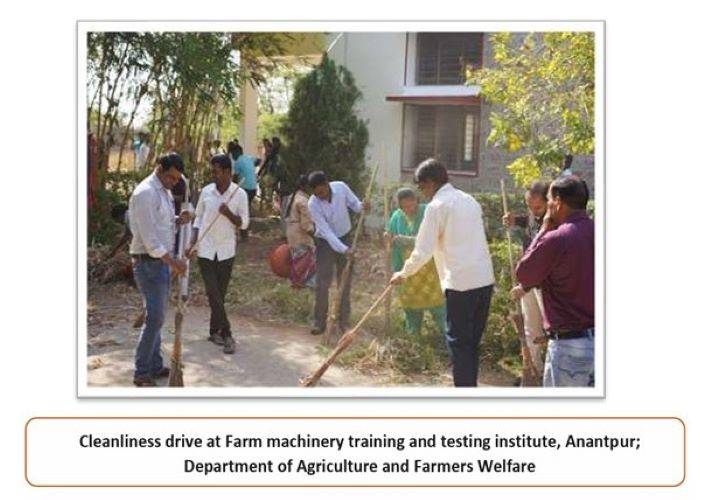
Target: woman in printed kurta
[(299, 230), (422, 291)]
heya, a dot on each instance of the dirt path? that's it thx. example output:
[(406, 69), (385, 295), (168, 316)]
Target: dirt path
[(268, 354)]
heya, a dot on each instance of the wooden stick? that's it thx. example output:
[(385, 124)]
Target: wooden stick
[(387, 246), (388, 264), (344, 342), (530, 377), (513, 278), (334, 312)]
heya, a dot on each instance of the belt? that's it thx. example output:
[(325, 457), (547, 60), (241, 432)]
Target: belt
[(569, 334), (143, 256)]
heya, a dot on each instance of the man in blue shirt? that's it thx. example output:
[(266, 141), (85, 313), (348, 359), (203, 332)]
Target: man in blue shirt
[(329, 208), (245, 173)]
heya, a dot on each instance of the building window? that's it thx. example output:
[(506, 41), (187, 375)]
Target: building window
[(442, 58), (448, 133)]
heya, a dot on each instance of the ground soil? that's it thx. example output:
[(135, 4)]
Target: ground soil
[(271, 351), (268, 354)]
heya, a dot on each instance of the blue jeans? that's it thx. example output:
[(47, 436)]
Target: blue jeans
[(569, 363), (467, 314), (153, 280)]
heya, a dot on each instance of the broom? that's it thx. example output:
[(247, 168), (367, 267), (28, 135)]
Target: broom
[(175, 376), (332, 327), (344, 342), (530, 377)]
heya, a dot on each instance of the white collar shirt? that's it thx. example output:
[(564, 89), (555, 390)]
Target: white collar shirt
[(221, 240), (152, 219), (452, 232), (331, 217)]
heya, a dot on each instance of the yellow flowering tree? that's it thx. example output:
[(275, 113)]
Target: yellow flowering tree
[(542, 87)]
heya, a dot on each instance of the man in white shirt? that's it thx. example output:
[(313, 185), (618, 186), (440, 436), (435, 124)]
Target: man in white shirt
[(222, 208), (153, 222), (453, 233), (329, 209)]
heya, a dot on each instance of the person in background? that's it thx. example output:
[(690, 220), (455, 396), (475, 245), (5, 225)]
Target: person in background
[(143, 152), (531, 302), (283, 185), (244, 171), (422, 291), (235, 145), (120, 214), (153, 225), (566, 166), (452, 232), (265, 177), (245, 176), (561, 262), (299, 231), (329, 209), (222, 207), (216, 148), (181, 192)]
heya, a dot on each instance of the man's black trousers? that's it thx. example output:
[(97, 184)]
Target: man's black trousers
[(467, 314), (216, 275)]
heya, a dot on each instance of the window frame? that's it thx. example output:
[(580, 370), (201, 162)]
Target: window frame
[(475, 111), (438, 35)]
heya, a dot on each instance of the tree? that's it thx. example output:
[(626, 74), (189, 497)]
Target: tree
[(322, 130), (188, 82), (542, 86), (187, 85)]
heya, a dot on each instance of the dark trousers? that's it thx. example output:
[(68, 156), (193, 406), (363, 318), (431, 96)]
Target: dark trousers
[(216, 275), (251, 194), (327, 260), (467, 314)]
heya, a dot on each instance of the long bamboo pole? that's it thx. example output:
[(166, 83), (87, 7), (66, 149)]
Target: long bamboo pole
[(530, 377), (387, 246), (332, 326)]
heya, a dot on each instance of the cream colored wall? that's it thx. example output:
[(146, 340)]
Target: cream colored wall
[(377, 61)]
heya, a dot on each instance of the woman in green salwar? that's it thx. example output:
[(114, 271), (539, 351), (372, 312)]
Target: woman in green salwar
[(422, 291)]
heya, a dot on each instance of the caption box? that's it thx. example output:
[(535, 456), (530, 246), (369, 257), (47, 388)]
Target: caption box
[(346, 451)]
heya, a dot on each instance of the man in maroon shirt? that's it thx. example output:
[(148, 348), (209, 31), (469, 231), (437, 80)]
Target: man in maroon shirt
[(561, 262)]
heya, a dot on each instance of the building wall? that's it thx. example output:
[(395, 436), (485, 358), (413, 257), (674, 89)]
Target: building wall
[(377, 61)]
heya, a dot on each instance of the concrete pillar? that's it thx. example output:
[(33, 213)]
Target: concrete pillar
[(247, 127)]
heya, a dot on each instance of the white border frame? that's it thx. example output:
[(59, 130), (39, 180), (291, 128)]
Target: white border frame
[(84, 391)]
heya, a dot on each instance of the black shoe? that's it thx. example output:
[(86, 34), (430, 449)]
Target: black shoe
[(229, 345), (216, 338), (316, 330), (163, 372), (144, 381)]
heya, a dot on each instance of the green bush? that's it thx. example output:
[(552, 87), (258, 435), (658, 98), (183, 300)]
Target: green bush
[(500, 338), (492, 207), (117, 188)]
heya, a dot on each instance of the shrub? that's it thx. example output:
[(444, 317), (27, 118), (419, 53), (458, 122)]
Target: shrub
[(322, 131), (500, 338), (118, 187)]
